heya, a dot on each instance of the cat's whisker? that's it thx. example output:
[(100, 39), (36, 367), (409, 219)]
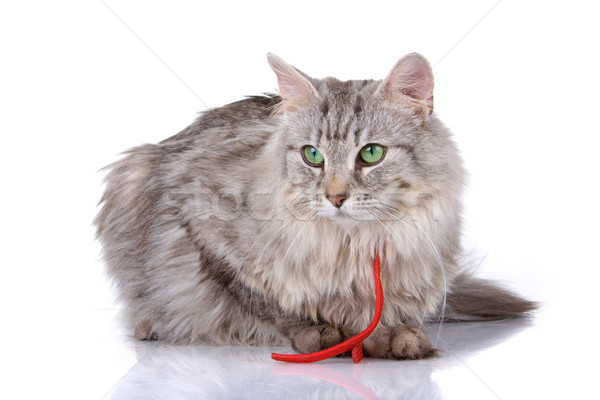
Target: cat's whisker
[(393, 211)]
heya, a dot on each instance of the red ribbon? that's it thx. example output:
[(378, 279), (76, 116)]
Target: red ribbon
[(354, 343)]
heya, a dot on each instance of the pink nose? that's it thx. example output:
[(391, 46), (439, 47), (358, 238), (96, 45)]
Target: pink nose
[(337, 199)]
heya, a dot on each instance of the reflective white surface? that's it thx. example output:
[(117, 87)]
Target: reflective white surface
[(233, 372), (511, 359)]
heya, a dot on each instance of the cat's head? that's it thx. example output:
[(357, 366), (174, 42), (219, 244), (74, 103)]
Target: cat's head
[(363, 150)]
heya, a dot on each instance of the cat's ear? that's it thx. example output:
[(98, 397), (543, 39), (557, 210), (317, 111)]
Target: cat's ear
[(410, 79), (295, 89)]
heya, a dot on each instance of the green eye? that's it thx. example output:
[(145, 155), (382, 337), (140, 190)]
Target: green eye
[(372, 153), (312, 156)]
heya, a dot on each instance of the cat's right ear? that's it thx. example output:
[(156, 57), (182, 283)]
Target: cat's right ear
[(410, 82), (295, 89)]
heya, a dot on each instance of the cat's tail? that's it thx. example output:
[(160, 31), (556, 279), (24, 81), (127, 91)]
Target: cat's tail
[(473, 299)]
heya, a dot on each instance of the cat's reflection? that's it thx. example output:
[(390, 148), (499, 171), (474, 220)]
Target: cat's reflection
[(182, 372)]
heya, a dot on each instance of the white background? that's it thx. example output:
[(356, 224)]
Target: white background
[(517, 82)]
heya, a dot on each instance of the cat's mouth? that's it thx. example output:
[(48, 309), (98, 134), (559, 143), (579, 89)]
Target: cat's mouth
[(346, 216), (341, 214)]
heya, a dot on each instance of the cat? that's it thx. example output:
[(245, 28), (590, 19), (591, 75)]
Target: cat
[(259, 222)]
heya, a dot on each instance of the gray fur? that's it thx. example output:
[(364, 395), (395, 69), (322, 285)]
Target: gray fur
[(223, 234)]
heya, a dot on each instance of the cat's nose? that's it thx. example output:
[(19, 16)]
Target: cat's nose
[(337, 199)]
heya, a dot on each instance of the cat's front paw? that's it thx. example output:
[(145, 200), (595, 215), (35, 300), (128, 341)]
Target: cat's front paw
[(314, 338), (398, 343)]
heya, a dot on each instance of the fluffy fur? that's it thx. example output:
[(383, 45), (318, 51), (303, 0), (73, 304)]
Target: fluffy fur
[(224, 234)]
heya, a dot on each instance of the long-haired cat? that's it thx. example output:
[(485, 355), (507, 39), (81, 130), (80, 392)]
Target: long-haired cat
[(259, 223)]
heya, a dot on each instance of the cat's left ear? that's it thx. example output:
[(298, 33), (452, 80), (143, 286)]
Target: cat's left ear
[(411, 79), (295, 89)]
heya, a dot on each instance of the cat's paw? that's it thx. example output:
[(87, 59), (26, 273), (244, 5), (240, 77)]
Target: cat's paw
[(317, 337), (398, 343)]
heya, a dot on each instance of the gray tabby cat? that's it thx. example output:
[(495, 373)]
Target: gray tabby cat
[(259, 223)]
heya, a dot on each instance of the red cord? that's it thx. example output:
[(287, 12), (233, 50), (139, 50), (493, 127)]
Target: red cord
[(354, 343)]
